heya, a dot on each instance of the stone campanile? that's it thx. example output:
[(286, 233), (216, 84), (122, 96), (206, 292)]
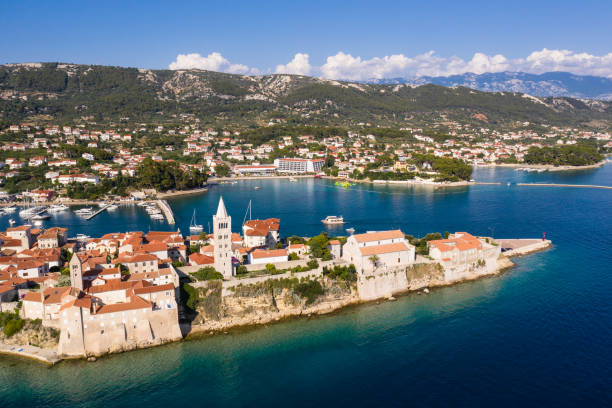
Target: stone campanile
[(222, 232)]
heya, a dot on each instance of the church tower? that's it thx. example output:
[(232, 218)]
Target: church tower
[(222, 232), (76, 272)]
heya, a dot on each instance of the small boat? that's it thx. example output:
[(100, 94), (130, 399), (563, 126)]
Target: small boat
[(38, 223), (40, 217), (333, 220), (195, 229), (350, 231), (292, 179), (82, 237), (317, 176), (10, 210), (11, 221), (256, 187), (157, 217), (112, 207), (142, 204)]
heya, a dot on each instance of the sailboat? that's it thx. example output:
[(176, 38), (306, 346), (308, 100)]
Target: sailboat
[(195, 229)]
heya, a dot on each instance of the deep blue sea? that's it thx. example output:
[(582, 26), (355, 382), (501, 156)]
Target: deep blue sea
[(538, 335)]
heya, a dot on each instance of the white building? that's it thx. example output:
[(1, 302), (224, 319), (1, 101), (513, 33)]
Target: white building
[(286, 165), (268, 256), (378, 249)]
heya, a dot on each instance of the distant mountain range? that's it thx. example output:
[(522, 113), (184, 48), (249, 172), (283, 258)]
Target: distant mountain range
[(67, 92), (544, 85)]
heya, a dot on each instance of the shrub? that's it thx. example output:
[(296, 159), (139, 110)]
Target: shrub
[(345, 273), (241, 270), (312, 264), (192, 296), (310, 290), (11, 323), (207, 273), (293, 256)]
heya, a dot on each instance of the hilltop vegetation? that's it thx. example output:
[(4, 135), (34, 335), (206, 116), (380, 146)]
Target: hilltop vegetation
[(69, 92), (569, 155)]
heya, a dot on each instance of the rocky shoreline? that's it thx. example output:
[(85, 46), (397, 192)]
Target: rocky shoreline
[(261, 312), (548, 167)]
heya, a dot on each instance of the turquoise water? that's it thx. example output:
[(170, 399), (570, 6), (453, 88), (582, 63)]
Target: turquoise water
[(541, 334)]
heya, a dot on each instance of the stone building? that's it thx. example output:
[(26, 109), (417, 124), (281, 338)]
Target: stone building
[(372, 250), (222, 233)]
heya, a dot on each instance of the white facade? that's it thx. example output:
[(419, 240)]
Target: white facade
[(222, 232), (387, 249), (298, 165)]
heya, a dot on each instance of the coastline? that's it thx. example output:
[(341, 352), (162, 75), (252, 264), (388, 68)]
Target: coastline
[(31, 352), (547, 167)]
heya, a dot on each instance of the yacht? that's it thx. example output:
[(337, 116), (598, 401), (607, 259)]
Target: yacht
[(84, 211), (83, 237), (112, 207), (40, 217), (195, 229), (55, 208), (157, 217), (333, 220), (10, 210)]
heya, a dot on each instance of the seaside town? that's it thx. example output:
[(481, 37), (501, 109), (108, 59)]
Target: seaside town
[(46, 163), (85, 297)]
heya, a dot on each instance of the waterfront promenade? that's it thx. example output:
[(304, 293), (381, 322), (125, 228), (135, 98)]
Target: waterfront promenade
[(31, 352)]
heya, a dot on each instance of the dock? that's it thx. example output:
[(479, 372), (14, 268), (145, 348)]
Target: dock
[(31, 352), (522, 246), (563, 185), (89, 217), (166, 210)]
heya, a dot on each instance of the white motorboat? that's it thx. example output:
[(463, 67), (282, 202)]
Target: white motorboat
[(292, 179), (350, 231), (10, 210), (112, 207), (195, 229), (157, 217), (84, 211), (55, 208), (333, 220), (11, 221), (40, 217)]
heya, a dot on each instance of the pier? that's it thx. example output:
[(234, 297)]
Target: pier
[(89, 217), (563, 185), (166, 210)]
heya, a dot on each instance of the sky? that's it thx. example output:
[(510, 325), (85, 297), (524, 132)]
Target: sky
[(351, 39)]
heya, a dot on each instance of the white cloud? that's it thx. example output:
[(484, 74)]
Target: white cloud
[(345, 66), (299, 65), (213, 62), (349, 67)]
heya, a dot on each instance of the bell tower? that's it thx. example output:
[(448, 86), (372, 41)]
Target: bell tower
[(76, 272), (222, 232)]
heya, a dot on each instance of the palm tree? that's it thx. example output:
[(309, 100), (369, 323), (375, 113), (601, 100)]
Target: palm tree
[(374, 260)]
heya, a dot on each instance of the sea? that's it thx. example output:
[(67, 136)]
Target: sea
[(539, 335)]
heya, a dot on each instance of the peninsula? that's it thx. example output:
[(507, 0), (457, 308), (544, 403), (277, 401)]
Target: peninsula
[(67, 298)]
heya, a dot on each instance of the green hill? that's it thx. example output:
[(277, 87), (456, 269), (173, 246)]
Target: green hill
[(68, 92)]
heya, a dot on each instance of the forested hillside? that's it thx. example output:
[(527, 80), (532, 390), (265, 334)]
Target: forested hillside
[(67, 92)]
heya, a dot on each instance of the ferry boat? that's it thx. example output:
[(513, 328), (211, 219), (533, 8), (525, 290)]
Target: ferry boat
[(333, 220), (195, 229)]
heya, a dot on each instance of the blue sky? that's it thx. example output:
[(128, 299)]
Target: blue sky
[(254, 37)]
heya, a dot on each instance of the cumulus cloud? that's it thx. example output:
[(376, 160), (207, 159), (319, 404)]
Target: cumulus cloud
[(299, 65), (345, 66), (349, 67), (213, 62)]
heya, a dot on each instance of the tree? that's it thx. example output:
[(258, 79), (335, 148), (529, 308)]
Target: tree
[(207, 273), (374, 259), (221, 170), (293, 256)]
